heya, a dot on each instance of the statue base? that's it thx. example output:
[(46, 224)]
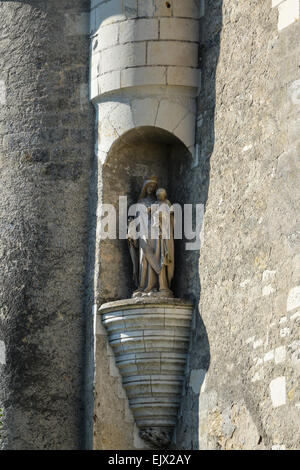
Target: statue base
[(150, 338), (165, 294)]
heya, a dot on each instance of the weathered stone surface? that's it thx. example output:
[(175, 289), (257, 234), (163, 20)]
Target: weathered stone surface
[(46, 150), (172, 53), (179, 29), (247, 103)]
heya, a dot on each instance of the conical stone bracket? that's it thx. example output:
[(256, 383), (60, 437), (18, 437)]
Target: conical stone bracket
[(150, 339)]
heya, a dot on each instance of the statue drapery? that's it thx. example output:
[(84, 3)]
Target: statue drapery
[(152, 252)]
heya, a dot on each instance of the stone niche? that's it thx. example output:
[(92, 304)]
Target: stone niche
[(150, 339), (149, 336)]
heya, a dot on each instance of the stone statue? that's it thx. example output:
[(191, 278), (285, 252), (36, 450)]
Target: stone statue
[(152, 251)]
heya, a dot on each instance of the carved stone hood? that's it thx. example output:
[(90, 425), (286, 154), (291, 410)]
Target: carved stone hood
[(150, 339)]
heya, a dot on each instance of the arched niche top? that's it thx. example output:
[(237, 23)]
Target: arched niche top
[(148, 134), (166, 117)]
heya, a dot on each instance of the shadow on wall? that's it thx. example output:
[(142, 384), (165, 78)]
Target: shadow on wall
[(186, 435)]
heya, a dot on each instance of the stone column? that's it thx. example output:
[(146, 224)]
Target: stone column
[(144, 83), (46, 138)]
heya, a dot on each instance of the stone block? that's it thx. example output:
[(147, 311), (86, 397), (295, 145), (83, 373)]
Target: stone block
[(135, 311), (278, 391), (119, 57), (107, 36), (95, 65), (181, 29), (184, 76), (182, 323), (147, 366), (144, 111), (138, 30), (145, 8), (170, 115), (268, 276), (121, 118), (172, 53), (94, 90), (110, 81), (136, 322), (188, 8), (143, 76), (163, 8), (288, 13)]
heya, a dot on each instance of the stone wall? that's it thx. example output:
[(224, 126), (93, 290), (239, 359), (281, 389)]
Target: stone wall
[(46, 151), (248, 134), (241, 378)]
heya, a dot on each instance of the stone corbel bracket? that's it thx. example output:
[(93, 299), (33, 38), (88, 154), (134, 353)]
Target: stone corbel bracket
[(150, 339)]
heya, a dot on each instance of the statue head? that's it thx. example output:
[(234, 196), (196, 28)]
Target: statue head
[(161, 194), (149, 187)]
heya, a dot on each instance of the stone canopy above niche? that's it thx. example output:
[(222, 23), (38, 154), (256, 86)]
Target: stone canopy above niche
[(116, 115), (144, 44)]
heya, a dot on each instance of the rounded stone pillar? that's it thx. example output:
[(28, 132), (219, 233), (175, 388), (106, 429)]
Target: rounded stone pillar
[(46, 148)]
